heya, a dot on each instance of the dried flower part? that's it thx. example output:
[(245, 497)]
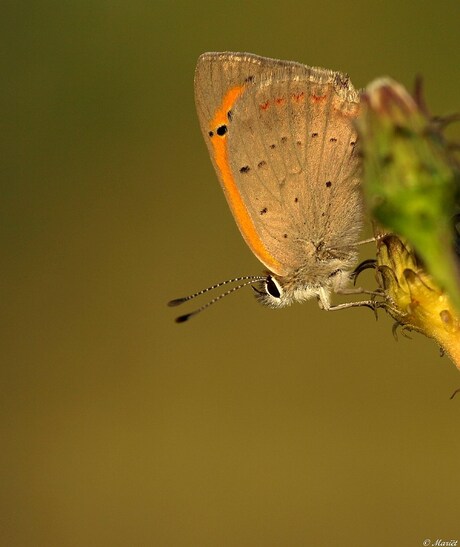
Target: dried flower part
[(410, 178), (412, 297)]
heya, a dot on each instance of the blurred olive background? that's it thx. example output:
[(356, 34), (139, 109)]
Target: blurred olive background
[(246, 426)]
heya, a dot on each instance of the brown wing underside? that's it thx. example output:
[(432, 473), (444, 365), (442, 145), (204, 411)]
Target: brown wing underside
[(291, 153)]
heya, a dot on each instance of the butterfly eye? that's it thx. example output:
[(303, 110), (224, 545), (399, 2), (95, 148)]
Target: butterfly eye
[(272, 287)]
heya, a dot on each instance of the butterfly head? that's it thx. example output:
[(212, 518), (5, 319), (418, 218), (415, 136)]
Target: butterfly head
[(277, 291)]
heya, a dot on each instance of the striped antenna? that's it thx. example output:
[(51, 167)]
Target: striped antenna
[(248, 280)]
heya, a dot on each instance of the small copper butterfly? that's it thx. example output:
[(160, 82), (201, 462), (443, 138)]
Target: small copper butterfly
[(282, 140)]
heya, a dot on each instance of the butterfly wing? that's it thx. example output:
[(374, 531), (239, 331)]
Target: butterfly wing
[(281, 138)]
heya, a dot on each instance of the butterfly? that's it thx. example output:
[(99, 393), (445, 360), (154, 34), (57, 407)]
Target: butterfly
[(282, 140)]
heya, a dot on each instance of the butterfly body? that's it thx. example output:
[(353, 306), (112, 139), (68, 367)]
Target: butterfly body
[(282, 141)]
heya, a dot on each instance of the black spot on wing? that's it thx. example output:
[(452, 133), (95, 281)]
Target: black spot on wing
[(221, 130)]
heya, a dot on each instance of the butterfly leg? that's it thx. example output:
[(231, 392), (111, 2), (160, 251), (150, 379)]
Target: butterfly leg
[(364, 241), (324, 299), (372, 304), (372, 239), (324, 302), (358, 290)]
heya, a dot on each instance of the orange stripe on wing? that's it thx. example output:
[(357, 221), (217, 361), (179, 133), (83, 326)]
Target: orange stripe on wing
[(235, 201)]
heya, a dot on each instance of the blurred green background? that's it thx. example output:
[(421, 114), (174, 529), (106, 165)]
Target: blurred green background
[(246, 426)]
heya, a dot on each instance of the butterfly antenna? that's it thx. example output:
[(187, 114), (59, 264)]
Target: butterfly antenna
[(178, 301), (250, 280)]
